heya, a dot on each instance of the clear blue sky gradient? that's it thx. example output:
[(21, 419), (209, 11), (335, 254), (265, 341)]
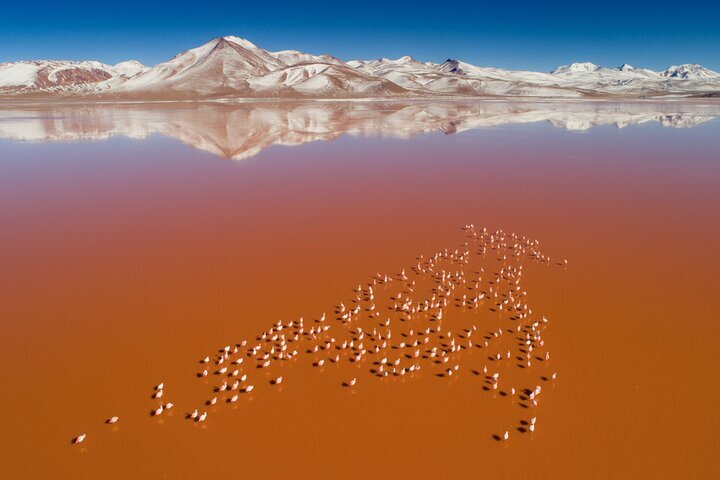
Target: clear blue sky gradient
[(521, 34)]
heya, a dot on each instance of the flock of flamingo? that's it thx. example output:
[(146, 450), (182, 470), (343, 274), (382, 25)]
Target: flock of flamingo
[(423, 318)]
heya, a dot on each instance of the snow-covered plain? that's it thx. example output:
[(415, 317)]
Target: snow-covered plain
[(234, 68)]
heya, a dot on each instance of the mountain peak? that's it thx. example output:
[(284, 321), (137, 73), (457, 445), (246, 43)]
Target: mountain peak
[(239, 41), (129, 68), (451, 65), (689, 71), (577, 67), (399, 61)]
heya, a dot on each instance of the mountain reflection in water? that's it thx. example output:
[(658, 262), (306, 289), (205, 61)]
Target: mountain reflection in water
[(241, 131)]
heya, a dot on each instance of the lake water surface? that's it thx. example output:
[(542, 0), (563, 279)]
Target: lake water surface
[(136, 239)]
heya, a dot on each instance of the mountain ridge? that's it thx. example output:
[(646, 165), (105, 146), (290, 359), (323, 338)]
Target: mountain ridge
[(231, 67)]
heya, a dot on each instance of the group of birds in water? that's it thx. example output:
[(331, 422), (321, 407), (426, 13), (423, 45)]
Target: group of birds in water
[(397, 325)]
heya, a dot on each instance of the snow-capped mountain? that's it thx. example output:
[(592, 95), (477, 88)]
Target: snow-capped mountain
[(581, 67), (689, 71), (129, 68), (62, 77), (234, 68)]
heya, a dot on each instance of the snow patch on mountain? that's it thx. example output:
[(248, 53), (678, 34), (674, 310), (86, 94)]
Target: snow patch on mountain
[(293, 57), (18, 74)]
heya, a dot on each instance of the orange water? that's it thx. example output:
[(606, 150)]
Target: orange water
[(124, 261)]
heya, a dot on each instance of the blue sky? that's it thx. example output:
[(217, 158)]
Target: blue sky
[(523, 34)]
